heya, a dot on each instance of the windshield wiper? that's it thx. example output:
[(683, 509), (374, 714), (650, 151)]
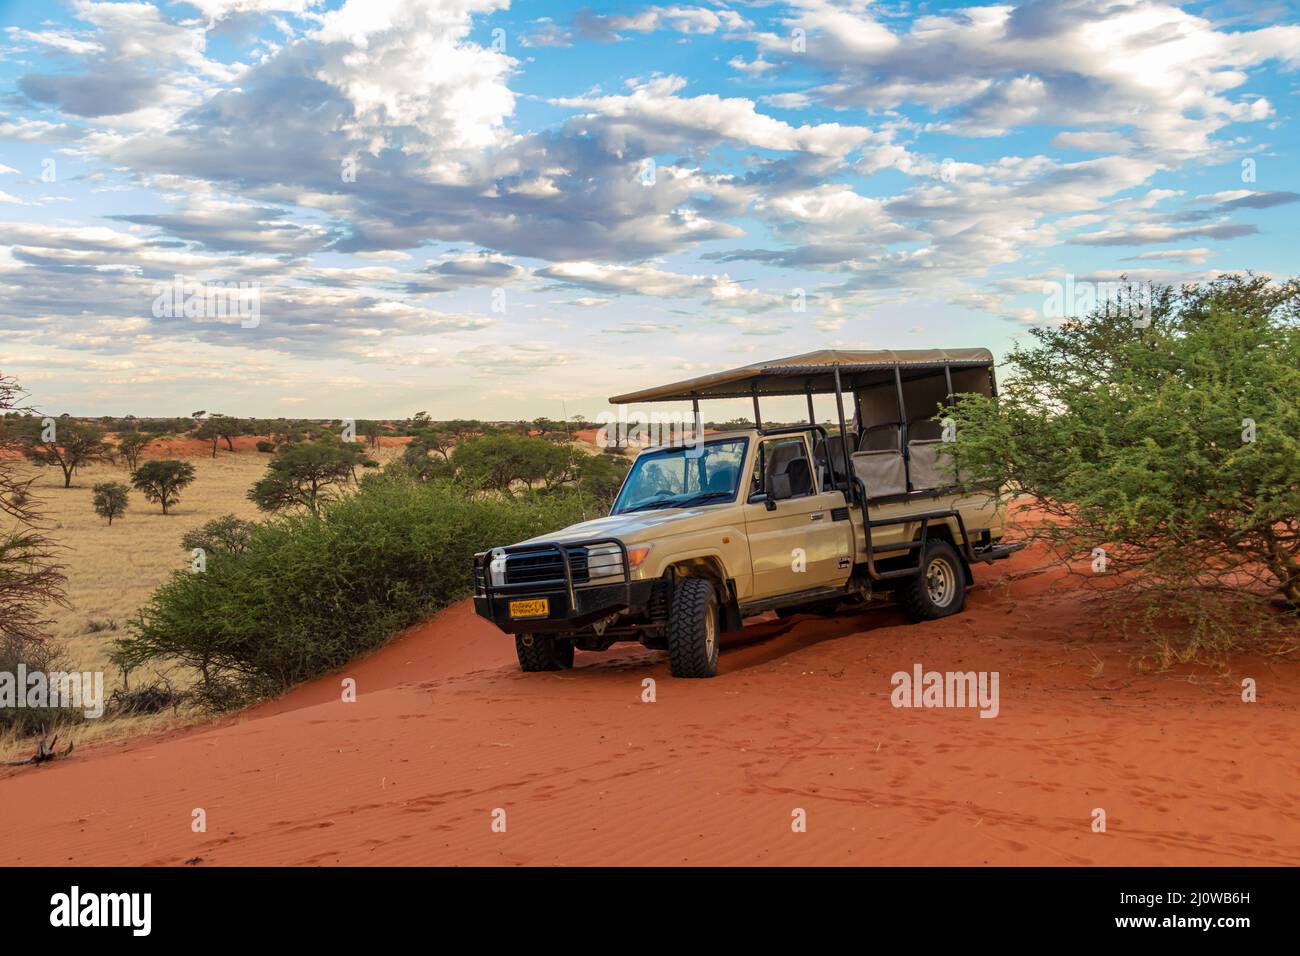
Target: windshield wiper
[(677, 502), (696, 500), (702, 497), (648, 505), (670, 502)]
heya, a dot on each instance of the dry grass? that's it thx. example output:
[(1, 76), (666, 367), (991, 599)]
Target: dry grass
[(113, 570)]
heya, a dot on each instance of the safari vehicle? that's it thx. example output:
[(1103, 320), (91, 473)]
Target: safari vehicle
[(786, 519)]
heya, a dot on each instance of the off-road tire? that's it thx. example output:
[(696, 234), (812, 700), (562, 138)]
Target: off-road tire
[(693, 629), (938, 589), (543, 652)]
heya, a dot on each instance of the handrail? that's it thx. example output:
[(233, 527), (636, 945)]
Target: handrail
[(925, 518)]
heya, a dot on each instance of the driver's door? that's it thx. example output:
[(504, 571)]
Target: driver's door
[(796, 545)]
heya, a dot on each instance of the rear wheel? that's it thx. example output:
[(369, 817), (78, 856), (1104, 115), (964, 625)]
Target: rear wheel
[(543, 652), (693, 630), (939, 589)]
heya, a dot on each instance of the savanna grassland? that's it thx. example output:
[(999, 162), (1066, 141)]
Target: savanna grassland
[(112, 571)]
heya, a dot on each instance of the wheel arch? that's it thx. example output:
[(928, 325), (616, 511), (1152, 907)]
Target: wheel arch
[(945, 531), (711, 567)]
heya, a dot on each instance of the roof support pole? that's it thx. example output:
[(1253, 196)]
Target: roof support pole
[(947, 374), (844, 435), (902, 430), (812, 415), (697, 426), (758, 418), (898, 386)]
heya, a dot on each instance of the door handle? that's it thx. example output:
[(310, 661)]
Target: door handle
[(815, 516)]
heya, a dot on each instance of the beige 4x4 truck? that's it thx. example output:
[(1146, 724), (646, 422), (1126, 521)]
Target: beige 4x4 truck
[(724, 526)]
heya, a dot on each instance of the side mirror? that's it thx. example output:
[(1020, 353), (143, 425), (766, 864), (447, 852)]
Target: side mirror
[(762, 498)]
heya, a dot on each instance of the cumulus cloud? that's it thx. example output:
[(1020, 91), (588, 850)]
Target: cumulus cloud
[(1138, 76), (140, 67), (608, 27), (654, 107), (650, 280), (373, 164)]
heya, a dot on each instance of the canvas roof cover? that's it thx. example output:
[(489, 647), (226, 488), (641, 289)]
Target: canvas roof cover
[(795, 374)]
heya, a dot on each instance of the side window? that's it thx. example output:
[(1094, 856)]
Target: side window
[(789, 457)]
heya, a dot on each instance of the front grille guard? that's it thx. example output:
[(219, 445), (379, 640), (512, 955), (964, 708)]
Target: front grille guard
[(483, 577)]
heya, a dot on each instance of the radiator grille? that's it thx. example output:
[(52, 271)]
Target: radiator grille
[(530, 567)]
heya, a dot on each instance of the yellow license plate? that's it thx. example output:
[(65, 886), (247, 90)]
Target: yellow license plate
[(536, 608)]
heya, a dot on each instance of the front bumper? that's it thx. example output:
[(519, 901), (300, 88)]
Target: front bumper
[(572, 603)]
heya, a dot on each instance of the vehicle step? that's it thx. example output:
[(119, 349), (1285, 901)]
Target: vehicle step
[(998, 552)]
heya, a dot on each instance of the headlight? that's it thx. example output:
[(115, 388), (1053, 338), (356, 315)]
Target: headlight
[(497, 569), (605, 560)]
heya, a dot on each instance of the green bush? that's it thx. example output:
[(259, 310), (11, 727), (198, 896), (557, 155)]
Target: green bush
[(307, 594), (1168, 448)]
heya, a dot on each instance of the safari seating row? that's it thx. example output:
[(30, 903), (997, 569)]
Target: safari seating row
[(880, 463)]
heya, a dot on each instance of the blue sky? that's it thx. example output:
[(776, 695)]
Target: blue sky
[(492, 209)]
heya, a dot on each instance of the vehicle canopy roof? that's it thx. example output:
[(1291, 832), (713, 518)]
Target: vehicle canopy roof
[(812, 372)]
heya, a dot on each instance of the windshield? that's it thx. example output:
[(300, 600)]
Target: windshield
[(681, 477)]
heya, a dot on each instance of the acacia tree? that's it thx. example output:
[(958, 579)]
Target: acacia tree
[(110, 500), (162, 481), (1167, 447), (424, 445), (225, 535), (130, 446), (304, 475), (208, 432), (65, 442), (370, 430), (498, 462), (218, 428), (31, 577)]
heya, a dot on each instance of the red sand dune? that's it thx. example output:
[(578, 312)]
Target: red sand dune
[(446, 730)]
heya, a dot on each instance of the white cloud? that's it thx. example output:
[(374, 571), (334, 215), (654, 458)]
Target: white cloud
[(654, 106)]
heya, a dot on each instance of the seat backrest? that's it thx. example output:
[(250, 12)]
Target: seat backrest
[(931, 464), (721, 478), (781, 453), (798, 471), (832, 460), (887, 437), (882, 472), (923, 429)]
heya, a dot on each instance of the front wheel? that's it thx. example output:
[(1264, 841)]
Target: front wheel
[(939, 588), (693, 630), (543, 652)]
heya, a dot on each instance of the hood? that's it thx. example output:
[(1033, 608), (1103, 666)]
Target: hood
[(641, 525)]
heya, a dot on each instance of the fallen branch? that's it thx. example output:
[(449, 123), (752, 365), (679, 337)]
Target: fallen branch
[(44, 752)]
